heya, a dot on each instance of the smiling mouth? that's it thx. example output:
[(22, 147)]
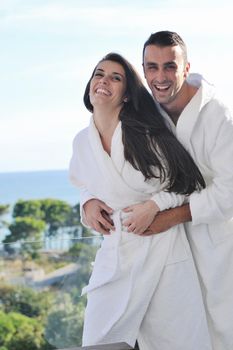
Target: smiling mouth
[(101, 91), (161, 87)]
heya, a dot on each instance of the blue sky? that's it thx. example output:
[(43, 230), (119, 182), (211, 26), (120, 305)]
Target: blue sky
[(49, 49)]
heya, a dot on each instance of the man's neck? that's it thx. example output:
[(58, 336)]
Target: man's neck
[(176, 107)]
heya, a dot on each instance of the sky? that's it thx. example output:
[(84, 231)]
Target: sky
[(50, 47)]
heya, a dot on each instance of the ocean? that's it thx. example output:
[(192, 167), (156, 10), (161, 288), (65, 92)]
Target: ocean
[(37, 185)]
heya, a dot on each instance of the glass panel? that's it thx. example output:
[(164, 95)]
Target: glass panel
[(41, 306)]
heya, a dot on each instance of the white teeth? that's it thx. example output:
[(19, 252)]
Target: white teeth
[(160, 88), (103, 91)]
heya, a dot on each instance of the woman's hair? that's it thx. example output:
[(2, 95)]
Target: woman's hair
[(148, 143)]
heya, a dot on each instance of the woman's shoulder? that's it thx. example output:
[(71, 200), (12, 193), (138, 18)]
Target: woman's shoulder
[(81, 136)]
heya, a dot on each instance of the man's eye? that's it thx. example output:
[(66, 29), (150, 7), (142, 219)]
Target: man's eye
[(169, 68), (152, 68)]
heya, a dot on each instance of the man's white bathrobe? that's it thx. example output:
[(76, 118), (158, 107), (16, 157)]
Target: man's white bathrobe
[(143, 288), (205, 128)]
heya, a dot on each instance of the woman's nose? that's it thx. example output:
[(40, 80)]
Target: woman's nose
[(104, 79)]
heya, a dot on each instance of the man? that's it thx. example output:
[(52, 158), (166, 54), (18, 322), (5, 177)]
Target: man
[(204, 126)]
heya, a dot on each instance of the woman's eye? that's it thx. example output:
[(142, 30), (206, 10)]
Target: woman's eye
[(116, 78)]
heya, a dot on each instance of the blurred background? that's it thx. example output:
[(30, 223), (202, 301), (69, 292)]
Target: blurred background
[(48, 51)]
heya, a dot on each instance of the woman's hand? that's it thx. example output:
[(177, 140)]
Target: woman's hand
[(97, 216), (141, 216)]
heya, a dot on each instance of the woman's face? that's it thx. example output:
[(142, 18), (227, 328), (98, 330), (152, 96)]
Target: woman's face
[(108, 85)]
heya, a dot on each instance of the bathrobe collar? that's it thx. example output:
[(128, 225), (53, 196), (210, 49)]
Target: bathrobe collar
[(191, 112)]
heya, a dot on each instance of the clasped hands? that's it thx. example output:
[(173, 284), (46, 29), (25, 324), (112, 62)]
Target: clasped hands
[(97, 216)]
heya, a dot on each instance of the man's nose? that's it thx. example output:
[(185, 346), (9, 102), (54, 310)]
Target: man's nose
[(160, 75)]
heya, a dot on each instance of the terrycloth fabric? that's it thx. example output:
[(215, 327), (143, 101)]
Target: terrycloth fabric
[(131, 272), (205, 128)]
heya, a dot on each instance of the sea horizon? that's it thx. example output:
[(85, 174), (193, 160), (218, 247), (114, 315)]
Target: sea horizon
[(37, 184)]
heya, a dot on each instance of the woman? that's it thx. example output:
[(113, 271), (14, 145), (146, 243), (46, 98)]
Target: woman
[(142, 288)]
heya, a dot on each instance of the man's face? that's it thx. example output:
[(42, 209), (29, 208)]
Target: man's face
[(165, 71)]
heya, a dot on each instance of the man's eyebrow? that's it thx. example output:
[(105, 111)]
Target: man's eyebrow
[(170, 62), (151, 64)]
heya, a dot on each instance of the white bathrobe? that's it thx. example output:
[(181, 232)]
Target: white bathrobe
[(143, 288), (205, 128)]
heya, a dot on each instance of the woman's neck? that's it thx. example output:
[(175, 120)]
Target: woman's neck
[(106, 123)]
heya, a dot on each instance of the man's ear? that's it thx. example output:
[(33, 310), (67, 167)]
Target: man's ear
[(143, 70), (186, 70)]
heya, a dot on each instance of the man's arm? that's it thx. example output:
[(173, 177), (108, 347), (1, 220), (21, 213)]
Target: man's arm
[(166, 219)]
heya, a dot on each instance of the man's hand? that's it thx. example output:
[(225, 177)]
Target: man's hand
[(166, 219), (97, 216)]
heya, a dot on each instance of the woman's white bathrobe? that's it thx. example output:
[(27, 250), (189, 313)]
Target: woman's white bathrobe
[(143, 288), (205, 128)]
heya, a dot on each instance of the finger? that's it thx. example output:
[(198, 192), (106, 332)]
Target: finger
[(106, 208), (138, 231), (128, 209), (106, 225), (131, 228), (107, 217), (127, 222), (148, 232), (99, 228)]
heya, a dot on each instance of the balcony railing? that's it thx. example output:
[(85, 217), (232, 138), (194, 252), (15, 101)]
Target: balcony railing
[(40, 292)]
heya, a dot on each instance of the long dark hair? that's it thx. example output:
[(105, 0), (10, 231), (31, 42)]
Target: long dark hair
[(148, 143)]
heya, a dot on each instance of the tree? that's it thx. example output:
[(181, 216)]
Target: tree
[(84, 255), (19, 332), (65, 323), (26, 229), (4, 209), (56, 213), (28, 208), (76, 229), (25, 301)]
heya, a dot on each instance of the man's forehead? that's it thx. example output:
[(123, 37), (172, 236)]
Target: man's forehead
[(155, 53)]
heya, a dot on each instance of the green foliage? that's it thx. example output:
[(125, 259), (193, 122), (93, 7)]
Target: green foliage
[(56, 214), (28, 208), (65, 324), (84, 255), (83, 252), (27, 315), (25, 228), (6, 328), (25, 301), (4, 209), (19, 332)]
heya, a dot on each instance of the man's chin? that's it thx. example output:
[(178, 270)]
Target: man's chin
[(161, 100)]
